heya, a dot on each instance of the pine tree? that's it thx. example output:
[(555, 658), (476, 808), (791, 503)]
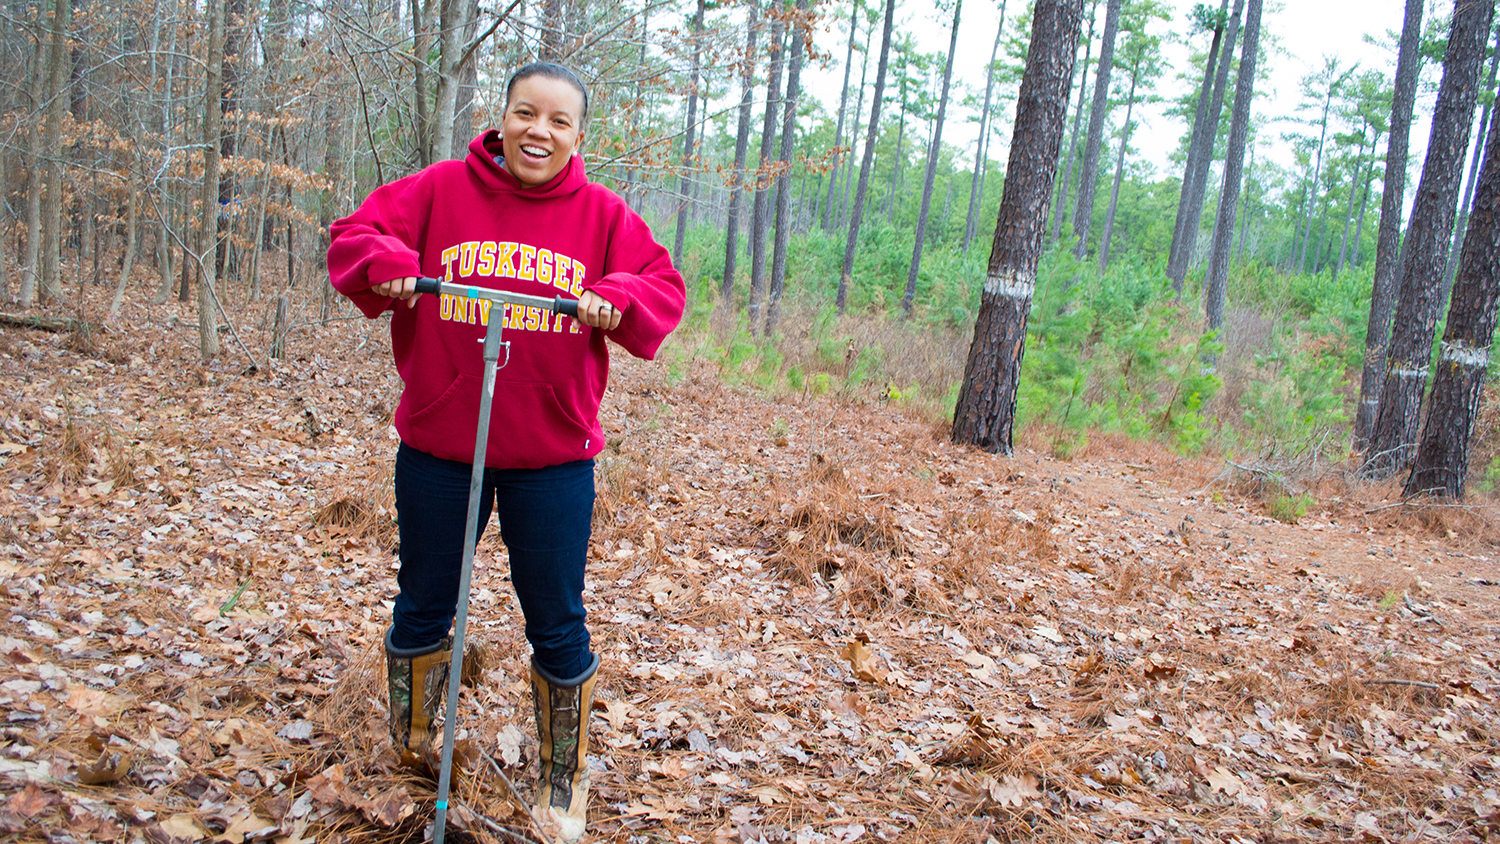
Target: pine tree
[(1393, 440), (872, 134), (985, 413), (1234, 160), (1388, 242), (1464, 355)]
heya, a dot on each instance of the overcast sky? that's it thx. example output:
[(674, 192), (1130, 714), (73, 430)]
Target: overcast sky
[(1304, 31)]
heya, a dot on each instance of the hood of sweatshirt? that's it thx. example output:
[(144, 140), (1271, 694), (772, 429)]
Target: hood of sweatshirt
[(485, 162)]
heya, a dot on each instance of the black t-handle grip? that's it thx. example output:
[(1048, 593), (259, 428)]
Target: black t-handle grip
[(557, 304)]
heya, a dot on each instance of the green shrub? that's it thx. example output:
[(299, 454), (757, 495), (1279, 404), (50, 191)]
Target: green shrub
[(1289, 508)]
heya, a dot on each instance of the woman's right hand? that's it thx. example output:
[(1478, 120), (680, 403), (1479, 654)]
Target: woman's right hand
[(399, 288)]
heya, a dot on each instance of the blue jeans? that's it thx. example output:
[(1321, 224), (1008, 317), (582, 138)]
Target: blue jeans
[(545, 517)]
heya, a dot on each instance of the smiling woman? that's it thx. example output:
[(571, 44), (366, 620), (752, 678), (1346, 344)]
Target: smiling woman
[(518, 213), (545, 109)]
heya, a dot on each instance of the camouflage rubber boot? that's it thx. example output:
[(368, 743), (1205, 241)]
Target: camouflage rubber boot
[(562, 725), (416, 678)]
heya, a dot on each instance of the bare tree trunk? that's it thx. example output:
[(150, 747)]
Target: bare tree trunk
[(1234, 161), (741, 150), (1393, 440), (1114, 193), (164, 257), (129, 258), (467, 82), (776, 50), (453, 21), (1388, 239), (689, 140), (1177, 263), (57, 53), (1364, 203), (981, 147), (208, 323), (421, 13), (829, 219), (933, 152), (228, 103), (1443, 456), (872, 133), (1088, 180), (890, 200), (4, 258), (553, 27), (29, 266), (1060, 216), (1245, 207), (1468, 200), (1354, 184), (985, 415), (1316, 179), (846, 193), (784, 170)]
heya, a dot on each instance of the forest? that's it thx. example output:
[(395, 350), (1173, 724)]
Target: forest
[(1086, 440), (1258, 322)]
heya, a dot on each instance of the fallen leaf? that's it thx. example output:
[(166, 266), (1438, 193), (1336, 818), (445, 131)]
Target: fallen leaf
[(616, 712), (30, 800), (111, 765), (389, 807), (1012, 790), (860, 658), (1222, 779), (185, 826), (93, 703)]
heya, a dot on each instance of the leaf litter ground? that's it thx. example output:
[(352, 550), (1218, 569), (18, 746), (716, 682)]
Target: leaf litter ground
[(819, 620)]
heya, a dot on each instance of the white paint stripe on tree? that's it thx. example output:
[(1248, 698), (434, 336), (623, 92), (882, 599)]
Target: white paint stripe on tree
[(1010, 284), (1464, 355), (1405, 372)]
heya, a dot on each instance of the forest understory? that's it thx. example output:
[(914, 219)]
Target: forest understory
[(819, 621)]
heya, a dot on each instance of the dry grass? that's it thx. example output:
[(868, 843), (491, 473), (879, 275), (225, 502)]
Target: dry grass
[(363, 505)]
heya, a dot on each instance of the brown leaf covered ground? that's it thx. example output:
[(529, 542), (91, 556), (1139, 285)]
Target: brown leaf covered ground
[(820, 622)]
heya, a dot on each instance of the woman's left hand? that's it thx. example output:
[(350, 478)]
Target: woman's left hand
[(596, 311)]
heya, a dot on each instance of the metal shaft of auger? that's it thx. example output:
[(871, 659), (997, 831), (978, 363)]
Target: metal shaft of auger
[(492, 345)]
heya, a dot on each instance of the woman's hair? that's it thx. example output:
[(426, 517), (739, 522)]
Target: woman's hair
[(550, 71)]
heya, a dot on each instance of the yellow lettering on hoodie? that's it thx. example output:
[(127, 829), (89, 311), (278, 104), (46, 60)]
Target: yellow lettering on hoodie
[(528, 263), (557, 326), (577, 288), (466, 258), (504, 268), (449, 256), (544, 266), (533, 317), (484, 311), (445, 306), (487, 258), (560, 277)]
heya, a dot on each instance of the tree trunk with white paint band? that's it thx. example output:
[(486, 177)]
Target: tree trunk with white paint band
[(1464, 356), (1388, 242), (1393, 442), (986, 410)]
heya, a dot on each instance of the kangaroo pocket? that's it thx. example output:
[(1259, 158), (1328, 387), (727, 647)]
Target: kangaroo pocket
[(528, 426)]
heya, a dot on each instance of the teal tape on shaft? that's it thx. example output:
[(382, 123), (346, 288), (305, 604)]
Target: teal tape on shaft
[(473, 293), (443, 804)]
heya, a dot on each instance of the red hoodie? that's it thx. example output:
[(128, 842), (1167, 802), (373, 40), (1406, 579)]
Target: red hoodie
[(471, 221)]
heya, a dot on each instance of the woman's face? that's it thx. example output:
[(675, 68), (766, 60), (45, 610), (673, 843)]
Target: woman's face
[(543, 125)]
